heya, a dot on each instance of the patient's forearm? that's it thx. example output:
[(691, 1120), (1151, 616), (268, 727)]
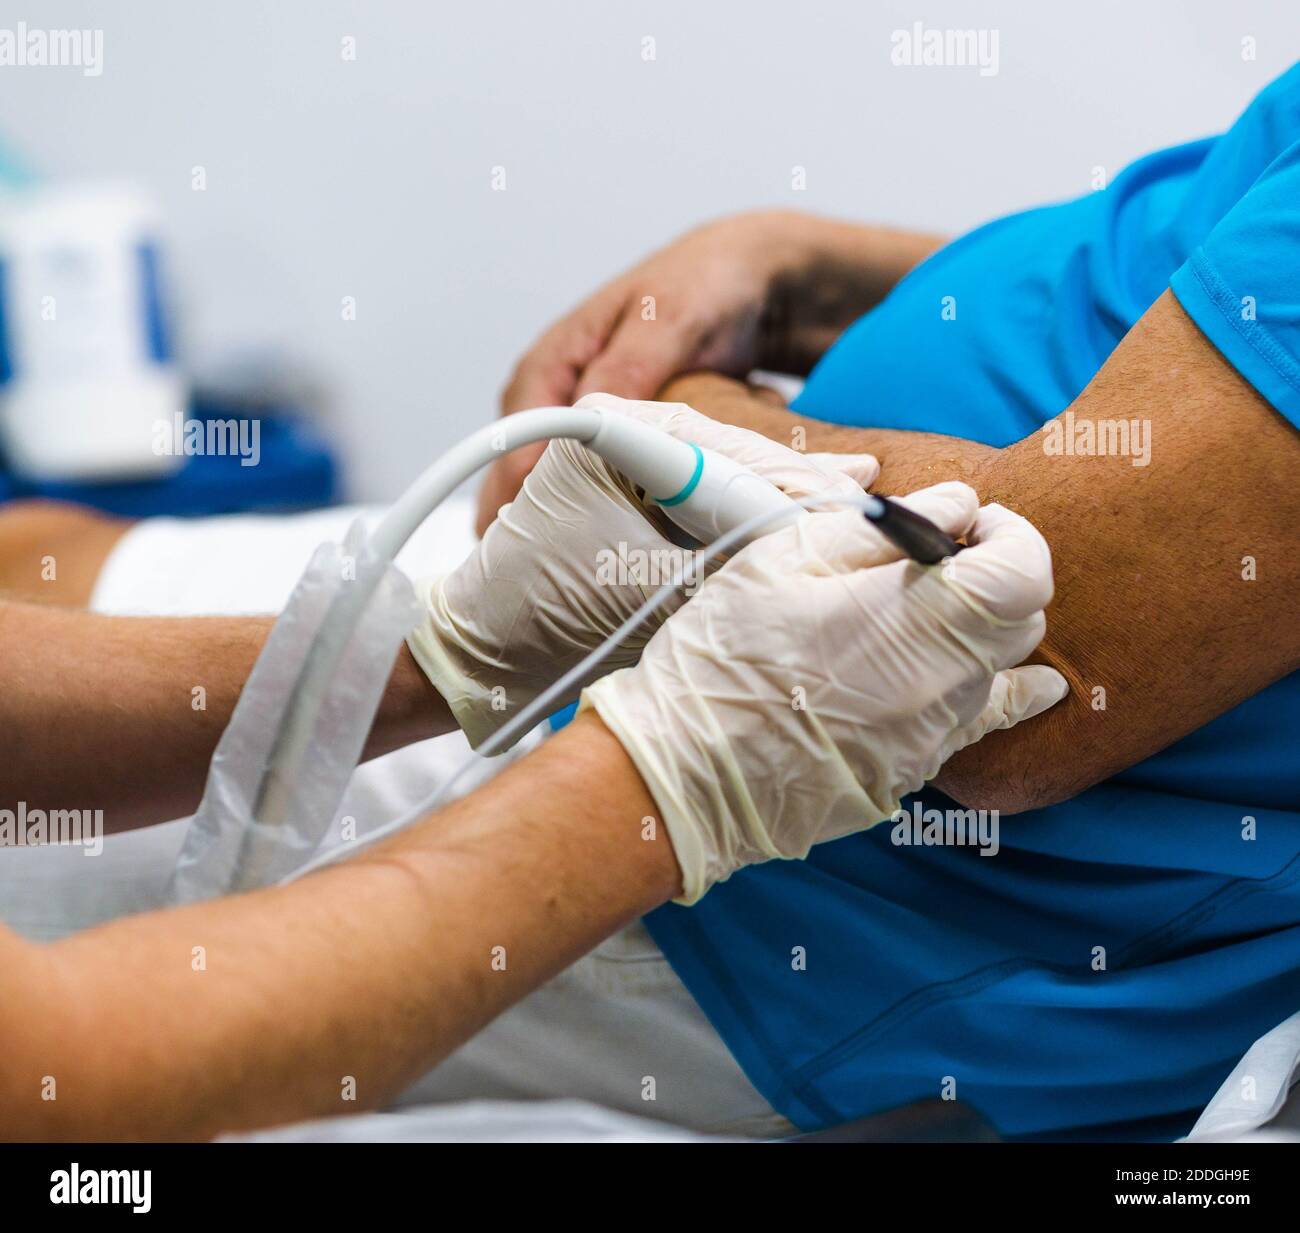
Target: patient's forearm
[(122, 714), (330, 994), (908, 460)]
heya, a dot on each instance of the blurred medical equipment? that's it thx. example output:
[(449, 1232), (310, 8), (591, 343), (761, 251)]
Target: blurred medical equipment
[(86, 371)]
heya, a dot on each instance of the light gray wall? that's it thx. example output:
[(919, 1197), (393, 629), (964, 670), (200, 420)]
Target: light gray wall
[(328, 178)]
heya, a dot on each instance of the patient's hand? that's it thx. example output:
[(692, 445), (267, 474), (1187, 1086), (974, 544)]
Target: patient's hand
[(695, 304), (768, 289)]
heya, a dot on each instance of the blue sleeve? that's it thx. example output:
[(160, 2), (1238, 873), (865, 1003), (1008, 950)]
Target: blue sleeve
[(1242, 285)]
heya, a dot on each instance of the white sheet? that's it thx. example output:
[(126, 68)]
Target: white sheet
[(485, 1121), (245, 564), (1256, 1101)]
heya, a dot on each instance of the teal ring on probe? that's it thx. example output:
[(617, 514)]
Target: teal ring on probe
[(691, 483)]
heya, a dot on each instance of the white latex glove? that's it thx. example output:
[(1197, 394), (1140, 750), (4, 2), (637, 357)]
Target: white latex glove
[(543, 588), (816, 679)]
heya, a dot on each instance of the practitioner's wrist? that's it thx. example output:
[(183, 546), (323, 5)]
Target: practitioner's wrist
[(411, 709), (639, 814), (578, 803)]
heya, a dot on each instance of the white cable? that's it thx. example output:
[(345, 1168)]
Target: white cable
[(443, 477), (541, 706)]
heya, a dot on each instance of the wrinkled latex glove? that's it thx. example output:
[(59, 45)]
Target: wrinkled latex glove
[(571, 558), (816, 679)]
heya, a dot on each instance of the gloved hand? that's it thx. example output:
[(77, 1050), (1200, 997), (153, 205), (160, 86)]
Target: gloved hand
[(817, 678), (571, 558)]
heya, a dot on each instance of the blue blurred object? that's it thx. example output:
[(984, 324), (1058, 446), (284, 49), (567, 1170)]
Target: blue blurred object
[(14, 171), (296, 470)]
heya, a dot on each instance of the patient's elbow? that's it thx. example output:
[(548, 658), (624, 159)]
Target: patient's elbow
[(1004, 795), (1015, 770)]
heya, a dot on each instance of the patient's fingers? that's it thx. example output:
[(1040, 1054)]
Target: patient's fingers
[(547, 374), (639, 357)]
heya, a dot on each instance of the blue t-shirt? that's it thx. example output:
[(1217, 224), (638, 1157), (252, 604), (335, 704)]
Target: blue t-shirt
[(873, 975)]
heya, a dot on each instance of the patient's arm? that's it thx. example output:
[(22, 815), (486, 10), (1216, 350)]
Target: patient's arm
[(908, 460), (1177, 583), (99, 712), (330, 994)]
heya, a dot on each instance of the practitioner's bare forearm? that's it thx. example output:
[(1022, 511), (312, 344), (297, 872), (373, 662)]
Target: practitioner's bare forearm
[(121, 714), (330, 994)]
